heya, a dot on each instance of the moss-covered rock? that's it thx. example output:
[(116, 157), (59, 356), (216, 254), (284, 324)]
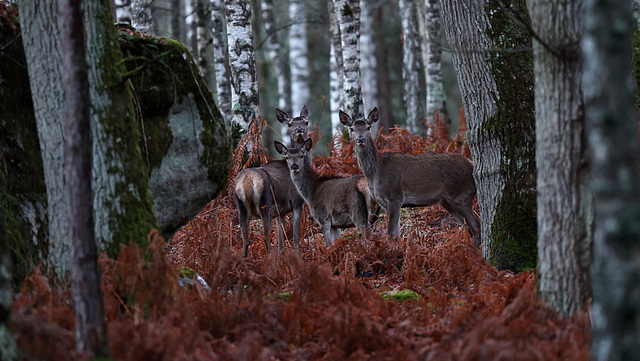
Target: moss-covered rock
[(185, 143), (403, 295), (22, 188)]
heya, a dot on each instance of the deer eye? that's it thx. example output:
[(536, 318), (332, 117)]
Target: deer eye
[(368, 127)]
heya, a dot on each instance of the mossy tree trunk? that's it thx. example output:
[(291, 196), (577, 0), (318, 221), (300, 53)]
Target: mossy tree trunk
[(122, 202), (564, 240), (121, 197), (612, 133), (497, 94)]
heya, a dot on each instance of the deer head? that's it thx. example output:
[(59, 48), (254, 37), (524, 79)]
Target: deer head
[(359, 129), (298, 126)]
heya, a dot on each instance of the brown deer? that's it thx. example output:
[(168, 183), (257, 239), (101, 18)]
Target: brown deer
[(414, 180), (267, 191), (334, 202)]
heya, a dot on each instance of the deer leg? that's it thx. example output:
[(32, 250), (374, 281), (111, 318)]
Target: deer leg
[(280, 225), (295, 219), (266, 224), (393, 227), (327, 234), (243, 219)]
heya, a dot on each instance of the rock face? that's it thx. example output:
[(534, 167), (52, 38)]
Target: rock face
[(185, 143)]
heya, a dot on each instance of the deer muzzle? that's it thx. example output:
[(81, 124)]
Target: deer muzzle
[(295, 169), (360, 140)]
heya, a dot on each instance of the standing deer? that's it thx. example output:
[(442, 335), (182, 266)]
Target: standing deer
[(268, 191), (414, 180), (334, 202)]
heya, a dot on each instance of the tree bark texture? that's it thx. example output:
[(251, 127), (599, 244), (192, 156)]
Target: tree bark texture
[(298, 55), (336, 78), (497, 94), (141, 16), (612, 131), (436, 97), (348, 15), (564, 241), (85, 278), (123, 11), (244, 87), (121, 197), (413, 93), (368, 61), (8, 349), (223, 86), (40, 34)]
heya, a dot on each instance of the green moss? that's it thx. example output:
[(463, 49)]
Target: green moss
[(514, 228), (21, 171), (167, 73), (188, 272), (284, 296), (403, 295)]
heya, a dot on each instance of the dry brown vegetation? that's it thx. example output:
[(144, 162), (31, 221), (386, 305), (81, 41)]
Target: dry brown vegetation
[(325, 304)]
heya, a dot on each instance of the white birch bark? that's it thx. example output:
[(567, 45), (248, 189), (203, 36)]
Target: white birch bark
[(432, 44), (336, 81), (190, 25), (40, 34), (298, 58), (348, 15), (368, 61), (123, 11), (223, 86), (244, 86), (411, 68), (141, 16)]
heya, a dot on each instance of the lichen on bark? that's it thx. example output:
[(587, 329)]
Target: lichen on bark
[(514, 229)]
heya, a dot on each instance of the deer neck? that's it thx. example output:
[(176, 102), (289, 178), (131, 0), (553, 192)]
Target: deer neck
[(368, 159), (306, 180)]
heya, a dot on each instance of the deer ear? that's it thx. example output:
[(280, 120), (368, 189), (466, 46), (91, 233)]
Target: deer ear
[(304, 112), (373, 116), (280, 148), (345, 119), (282, 116), (307, 144)]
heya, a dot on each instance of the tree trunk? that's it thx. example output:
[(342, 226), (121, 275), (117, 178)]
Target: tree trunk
[(298, 57), (191, 38), (141, 16), (40, 34), (564, 242), (85, 278), (368, 61), (244, 87), (497, 94), (384, 80), (436, 97), (612, 133), (123, 11), (121, 197), (8, 349), (348, 15), (204, 53), (223, 87), (336, 78), (412, 93)]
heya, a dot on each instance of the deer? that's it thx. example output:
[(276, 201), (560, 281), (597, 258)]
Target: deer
[(399, 180), (267, 191), (335, 202)]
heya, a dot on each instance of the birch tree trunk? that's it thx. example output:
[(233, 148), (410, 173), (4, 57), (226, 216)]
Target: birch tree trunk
[(368, 61), (123, 11), (412, 68), (497, 94), (85, 279), (223, 86), (191, 40), (298, 58), (123, 209), (436, 97), (612, 132), (348, 15), (336, 78), (244, 87), (384, 80), (204, 37), (177, 20), (141, 18), (564, 241), (40, 35)]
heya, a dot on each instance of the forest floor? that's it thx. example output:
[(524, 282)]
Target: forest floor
[(428, 296)]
